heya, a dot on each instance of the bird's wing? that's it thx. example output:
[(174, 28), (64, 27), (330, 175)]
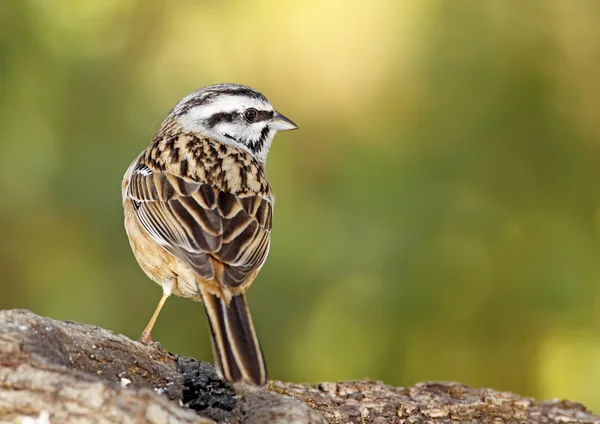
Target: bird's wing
[(196, 222)]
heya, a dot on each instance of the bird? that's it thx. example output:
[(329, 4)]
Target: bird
[(198, 211)]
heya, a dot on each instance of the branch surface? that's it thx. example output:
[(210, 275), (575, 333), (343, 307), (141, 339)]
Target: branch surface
[(63, 371)]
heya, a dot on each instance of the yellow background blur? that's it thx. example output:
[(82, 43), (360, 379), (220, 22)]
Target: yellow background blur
[(438, 212)]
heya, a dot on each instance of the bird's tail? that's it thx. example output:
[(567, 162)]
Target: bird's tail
[(236, 349)]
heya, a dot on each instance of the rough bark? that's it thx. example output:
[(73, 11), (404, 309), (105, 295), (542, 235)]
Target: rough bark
[(53, 371)]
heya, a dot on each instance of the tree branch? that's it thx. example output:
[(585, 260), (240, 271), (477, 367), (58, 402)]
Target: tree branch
[(57, 371)]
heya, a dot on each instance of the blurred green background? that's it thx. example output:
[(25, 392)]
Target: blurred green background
[(438, 212)]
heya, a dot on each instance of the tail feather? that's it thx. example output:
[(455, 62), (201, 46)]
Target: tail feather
[(236, 349)]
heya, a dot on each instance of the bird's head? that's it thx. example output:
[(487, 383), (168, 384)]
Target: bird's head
[(232, 114)]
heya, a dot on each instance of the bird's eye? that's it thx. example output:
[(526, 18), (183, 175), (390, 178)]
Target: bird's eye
[(250, 115)]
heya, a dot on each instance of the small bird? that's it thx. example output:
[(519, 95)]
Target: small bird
[(198, 212)]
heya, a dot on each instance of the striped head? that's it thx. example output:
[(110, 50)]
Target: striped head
[(232, 114)]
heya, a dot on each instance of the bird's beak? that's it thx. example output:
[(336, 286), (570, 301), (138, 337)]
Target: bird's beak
[(281, 123)]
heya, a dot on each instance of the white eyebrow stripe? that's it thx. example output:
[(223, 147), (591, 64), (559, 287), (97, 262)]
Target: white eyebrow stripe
[(229, 103)]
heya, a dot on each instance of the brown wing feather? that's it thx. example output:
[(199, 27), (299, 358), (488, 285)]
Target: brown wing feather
[(197, 223)]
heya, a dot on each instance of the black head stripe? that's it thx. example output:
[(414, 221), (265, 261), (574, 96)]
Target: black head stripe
[(257, 146), (217, 118), (207, 95), (264, 115), (238, 90)]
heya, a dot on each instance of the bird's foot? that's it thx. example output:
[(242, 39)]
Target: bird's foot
[(146, 339)]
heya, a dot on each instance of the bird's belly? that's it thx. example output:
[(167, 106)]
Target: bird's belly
[(187, 285), (158, 264)]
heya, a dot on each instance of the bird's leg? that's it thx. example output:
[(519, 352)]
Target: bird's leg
[(146, 337)]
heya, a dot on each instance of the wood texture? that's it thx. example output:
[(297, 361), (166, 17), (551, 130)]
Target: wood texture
[(59, 372)]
